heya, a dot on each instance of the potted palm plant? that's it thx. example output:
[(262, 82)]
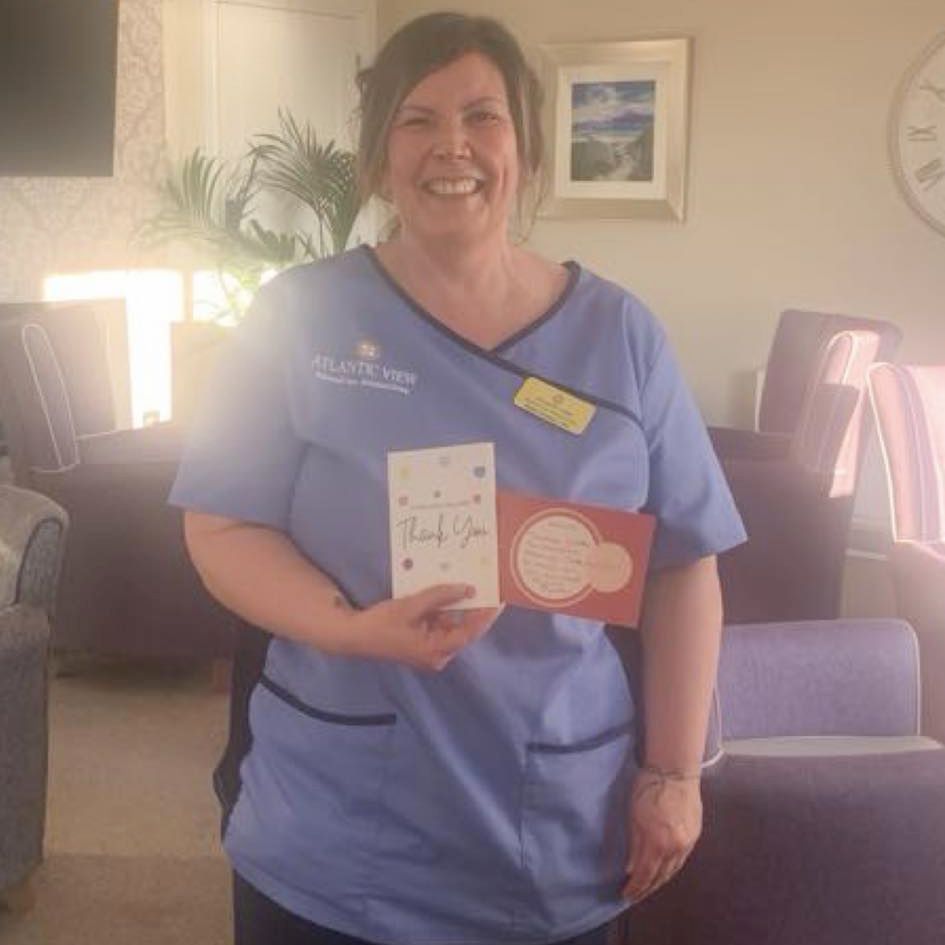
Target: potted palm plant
[(212, 208)]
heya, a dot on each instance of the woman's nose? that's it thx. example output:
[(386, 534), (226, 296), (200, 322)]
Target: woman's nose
[(451, 141)]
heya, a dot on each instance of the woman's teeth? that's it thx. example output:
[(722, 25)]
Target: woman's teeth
[(453, 187)]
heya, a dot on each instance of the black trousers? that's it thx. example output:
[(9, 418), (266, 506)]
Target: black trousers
[(257, 920)]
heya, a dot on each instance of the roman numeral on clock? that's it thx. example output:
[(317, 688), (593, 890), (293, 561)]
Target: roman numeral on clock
[(937, 90), (922, 133), (931, 173)]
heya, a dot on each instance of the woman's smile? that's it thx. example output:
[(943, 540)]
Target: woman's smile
[(453, 186)]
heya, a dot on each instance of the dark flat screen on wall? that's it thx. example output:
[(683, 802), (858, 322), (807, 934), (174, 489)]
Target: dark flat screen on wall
[(57, 87)]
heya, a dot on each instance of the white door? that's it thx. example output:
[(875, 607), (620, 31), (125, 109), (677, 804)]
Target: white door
[(229, 66), (300, 55)]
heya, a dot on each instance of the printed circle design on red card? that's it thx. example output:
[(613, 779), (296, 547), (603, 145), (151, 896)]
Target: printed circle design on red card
[(551, 557), (609, 567)]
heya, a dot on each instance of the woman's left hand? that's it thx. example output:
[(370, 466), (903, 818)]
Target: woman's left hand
[(665, 823)]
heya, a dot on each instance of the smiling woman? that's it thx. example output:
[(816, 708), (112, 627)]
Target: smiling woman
[(452, 165), (416, 775)]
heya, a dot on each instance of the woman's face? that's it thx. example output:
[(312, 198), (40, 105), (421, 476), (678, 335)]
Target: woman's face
[(452, 168)]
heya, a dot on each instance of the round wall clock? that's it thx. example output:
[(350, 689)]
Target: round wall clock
[(917, 135)]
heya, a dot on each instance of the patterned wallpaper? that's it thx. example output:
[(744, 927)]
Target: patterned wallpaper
[(52, 225)]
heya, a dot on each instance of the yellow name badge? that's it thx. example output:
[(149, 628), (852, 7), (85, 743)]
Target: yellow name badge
[(554, 406)]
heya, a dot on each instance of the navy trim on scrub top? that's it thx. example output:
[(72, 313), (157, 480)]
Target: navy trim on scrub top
[(384, 718), (574, 271)]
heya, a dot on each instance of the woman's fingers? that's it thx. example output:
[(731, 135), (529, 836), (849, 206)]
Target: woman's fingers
[(651, 874), (423, 631), (666, 820), (427, 602), (456, 629)]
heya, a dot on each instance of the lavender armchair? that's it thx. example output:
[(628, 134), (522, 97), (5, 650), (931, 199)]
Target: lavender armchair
[(909, 404), (825, 817), (127, 586), (794, 482)]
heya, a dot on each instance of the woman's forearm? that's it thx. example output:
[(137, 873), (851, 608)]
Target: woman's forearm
[(259, 574), (681, 631)]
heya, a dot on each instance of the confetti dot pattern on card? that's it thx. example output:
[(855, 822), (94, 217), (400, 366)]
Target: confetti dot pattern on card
[(443, 520)]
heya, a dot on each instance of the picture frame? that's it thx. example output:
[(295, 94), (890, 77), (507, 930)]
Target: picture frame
[(616, 128)]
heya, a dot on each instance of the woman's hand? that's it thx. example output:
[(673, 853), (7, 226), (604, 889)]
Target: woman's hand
[(419, 630), (665, 823)]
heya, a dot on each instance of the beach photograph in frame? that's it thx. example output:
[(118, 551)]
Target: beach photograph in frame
[(616, 128), (612, 130)]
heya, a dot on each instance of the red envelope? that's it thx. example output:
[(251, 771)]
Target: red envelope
[(573, 558)]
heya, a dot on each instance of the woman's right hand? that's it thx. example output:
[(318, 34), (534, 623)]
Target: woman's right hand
[(419, 630)]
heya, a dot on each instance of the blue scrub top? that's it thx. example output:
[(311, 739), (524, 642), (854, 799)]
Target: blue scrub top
[(486, 803)]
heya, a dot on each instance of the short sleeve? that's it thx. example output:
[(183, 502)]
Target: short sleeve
[(696, 515), (242, 455)]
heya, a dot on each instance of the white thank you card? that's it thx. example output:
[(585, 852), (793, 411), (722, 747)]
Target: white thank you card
[(443, 526)]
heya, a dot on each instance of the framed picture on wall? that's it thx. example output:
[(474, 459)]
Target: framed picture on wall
[(616, 125)]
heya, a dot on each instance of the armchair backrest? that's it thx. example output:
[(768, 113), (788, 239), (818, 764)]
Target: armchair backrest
[(831, 428), (799, 340), (909, 404), (819, 677), (55, 383)]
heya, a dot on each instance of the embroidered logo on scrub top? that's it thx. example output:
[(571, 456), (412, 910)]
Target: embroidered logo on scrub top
[(364, 369)]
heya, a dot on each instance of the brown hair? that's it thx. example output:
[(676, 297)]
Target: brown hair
[(429, 43)]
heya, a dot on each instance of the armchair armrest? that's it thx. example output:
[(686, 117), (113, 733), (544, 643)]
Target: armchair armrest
[(919, 573), (919, 568), (811, 678), (732, 443), (32, 528), (24, 636)]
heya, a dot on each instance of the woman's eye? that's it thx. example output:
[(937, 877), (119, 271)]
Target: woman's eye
[(484, 117), (413, 121)]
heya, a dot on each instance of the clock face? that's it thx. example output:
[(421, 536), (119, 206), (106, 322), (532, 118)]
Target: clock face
[(917, 135)]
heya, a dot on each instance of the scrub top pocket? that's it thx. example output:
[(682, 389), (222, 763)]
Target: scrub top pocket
[(292, 811), (574, 822)]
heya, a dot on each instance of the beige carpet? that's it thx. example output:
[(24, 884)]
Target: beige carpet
[(132, 852)]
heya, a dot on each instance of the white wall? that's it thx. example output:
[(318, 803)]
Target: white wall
[(791, 202)]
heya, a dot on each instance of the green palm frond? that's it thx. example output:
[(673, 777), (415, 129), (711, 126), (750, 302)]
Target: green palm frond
[(320, 176), (208, 205), (211, 206)]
